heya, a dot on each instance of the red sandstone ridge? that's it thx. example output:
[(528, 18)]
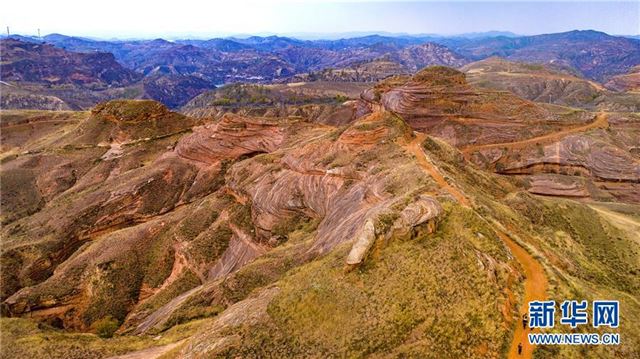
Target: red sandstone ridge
[(512, 136), (439, 101), (440, 93), (232, 136), (593, 163), (253, 176)]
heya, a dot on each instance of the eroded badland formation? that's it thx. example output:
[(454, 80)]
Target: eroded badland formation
[(411, 216)]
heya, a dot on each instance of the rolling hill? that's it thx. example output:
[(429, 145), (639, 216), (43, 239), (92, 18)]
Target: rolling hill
[(268, 230)]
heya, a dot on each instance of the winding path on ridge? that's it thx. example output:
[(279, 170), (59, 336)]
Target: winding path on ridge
[(600, 121), (535, 288), (415, 147), (535, 281)]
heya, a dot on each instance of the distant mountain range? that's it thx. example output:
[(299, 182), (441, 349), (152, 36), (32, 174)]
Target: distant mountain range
[(176, 71), (33, 62)]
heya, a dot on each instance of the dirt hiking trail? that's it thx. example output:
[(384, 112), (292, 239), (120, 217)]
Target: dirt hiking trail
[(415, 147), (600, 121), (535, 287), (535, 281)]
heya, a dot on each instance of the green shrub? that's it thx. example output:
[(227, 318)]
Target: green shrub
[(341, 98), (105, 327)]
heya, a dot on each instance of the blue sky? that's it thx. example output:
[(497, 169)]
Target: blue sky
[(193, 18)]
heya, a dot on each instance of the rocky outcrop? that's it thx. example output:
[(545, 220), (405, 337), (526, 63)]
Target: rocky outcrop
[(439, 93), (583, 155), (597, 163), (233, 136), (424, 211), (363, 242), (306, 185), (127, 121), (558, 185), (250, 310), (439, 101)]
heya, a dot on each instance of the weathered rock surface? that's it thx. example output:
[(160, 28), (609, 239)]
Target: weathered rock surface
[(606, 159), (362, 244), (439, 101), (285, 171), (425, 210), (232, 136), (216, 337), (511, 136), (554, 185)]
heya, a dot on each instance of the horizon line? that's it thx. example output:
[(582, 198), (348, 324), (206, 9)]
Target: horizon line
[(306, 36)]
